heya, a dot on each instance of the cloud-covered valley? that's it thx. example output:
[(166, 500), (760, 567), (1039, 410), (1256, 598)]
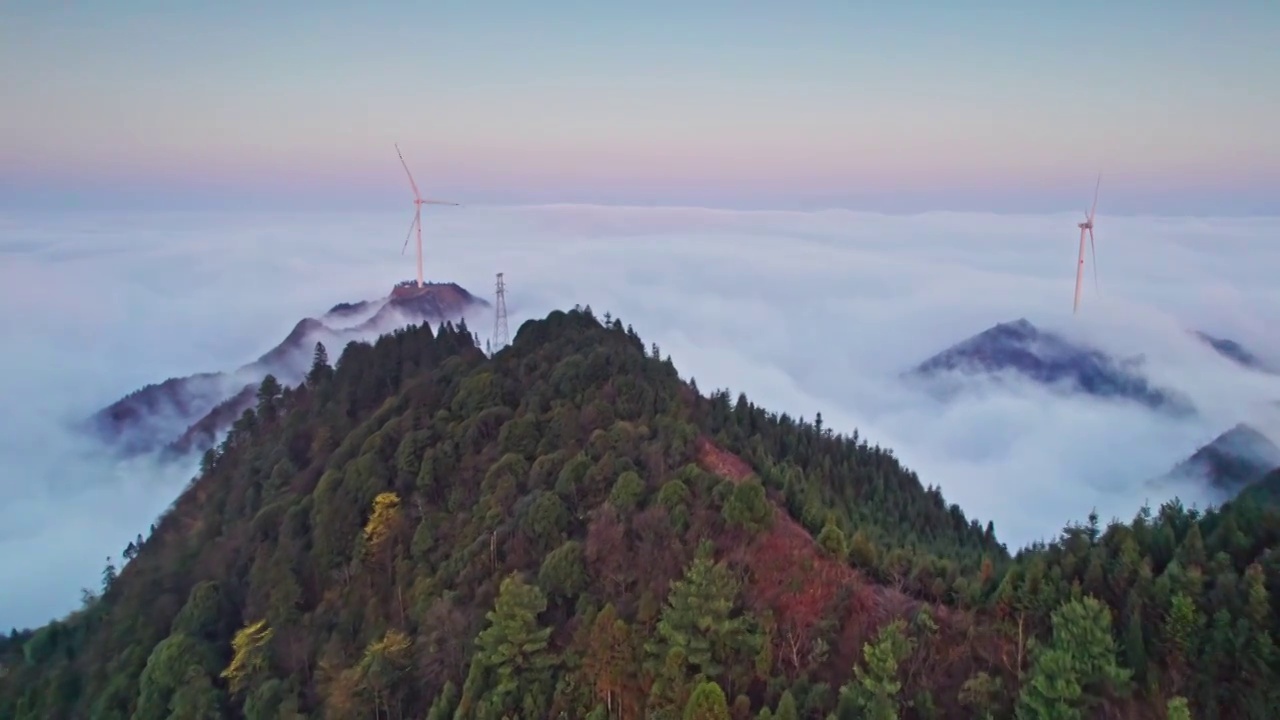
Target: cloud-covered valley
[(804, 312)]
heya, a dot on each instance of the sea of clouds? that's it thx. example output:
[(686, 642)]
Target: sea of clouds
[(805, 312)]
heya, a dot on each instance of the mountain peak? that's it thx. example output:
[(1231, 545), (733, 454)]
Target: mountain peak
[(1231, 461), (1234, 351), (1021, 325), (1246, 439), (300, 339), (1048, 359)]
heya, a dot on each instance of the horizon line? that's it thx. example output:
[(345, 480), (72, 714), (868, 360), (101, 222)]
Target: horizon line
[(569, 205)]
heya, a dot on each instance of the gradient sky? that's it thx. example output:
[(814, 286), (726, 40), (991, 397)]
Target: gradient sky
[(907, 106)]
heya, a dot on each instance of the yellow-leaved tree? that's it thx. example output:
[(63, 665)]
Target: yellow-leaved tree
[(383, 525), (249, 656), (380, 671), (382, 532)]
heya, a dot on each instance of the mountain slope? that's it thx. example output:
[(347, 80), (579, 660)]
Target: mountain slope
[(1235, 352), (570, 457), (1230, 462), (1047, 359), (151, 418), (568, 529)]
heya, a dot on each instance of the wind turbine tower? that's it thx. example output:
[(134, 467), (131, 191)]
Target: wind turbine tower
[(500, 334), (416, 224), (1087, 227)]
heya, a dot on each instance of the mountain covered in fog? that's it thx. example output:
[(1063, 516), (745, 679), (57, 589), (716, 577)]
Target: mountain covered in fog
[(1230, 462), (1020, 349), (1235, 352), (567, 528), (153, 417)]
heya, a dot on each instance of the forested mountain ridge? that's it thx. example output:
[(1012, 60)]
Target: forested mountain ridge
[(568, 529)]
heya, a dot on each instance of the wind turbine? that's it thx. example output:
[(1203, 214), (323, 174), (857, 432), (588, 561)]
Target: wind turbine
[(418, 202), (1087, 226)]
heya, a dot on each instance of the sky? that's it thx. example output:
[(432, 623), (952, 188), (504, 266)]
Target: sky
[(991, 105), (805, 312)]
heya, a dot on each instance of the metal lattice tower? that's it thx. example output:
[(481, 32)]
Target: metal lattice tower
[(500, 333)]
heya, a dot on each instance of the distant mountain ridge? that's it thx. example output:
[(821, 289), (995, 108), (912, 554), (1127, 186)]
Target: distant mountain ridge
[(1237, 353), (207, 403), (1230, 462), (1047, 359)]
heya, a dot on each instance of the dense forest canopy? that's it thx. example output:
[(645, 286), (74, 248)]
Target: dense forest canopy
[(567, 529)]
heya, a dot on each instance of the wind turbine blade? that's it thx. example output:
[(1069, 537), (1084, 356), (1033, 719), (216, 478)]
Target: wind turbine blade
[(1095, 198), (438, 202), (1075, 302), (416, 195), (409, 234), (1093, 251)]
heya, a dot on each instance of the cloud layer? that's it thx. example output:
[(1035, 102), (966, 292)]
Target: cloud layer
[(805, 312)]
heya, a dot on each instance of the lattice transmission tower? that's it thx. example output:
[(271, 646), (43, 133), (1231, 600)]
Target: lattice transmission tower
[(501, 337)]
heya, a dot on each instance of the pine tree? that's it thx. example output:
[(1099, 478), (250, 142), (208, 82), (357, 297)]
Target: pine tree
[(1071, 672), (876, 685), (699, 618), (863, 552), (981, 693), (268, 395), (832, 540), (669, 693), (511, 669), (1192, 552), (707, 703), (444, 704), (1177, 709), (1135, 647), (1257, 679), (320, 370), (1217, 679), (108, 576), (196, 698), (786, 707), (1179, 635), (747, 507)]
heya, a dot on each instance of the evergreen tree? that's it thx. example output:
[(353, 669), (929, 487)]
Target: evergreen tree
[(876, 684), (320, 370), (1071, 672), (1177, 709), (786, 707), (707, 703), (511, 669), (700, 619), (269, 392), (1257, 681), (833, 541)]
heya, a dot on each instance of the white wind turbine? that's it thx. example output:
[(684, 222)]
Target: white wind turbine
[(1087, 226), (418, 202)]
